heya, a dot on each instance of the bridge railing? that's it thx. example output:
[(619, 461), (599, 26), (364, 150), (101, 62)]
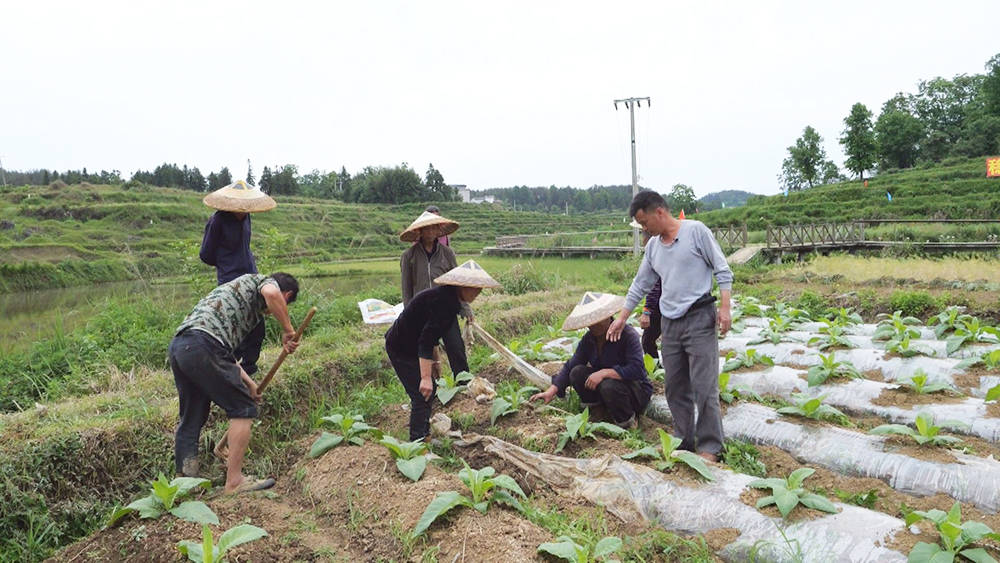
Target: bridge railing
[(728, 237), (819, 234), (732, 236)]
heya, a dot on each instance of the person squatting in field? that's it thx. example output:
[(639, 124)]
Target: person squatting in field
[(608, 376), (206, 371), (411, 339), (684, 256)]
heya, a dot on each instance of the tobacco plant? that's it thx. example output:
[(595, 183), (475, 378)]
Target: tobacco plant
[(480, 482), (927, 433), (971, 331), (831, 335), (844, 316), (947, 320), (351, 426), (163, 496), (579, 426), (907, 349), (565, 548), (654, 373), (896, 326), (409, 456), (813, 407), (746, 359), (918, 383), (829, 367), (509, 399), (956, 538), (667, 455), (787, 493), (208, 552), (990, 360), (448, 385), (774, 330), (729, 394)]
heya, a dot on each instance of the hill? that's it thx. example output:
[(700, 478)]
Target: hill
[(59, 236), (955, 189), (723, 199)]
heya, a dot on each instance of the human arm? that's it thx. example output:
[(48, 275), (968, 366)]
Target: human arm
[(210, 242), (250, 384), (406, 278), (643, 282), (723, 276), (426, 378), (276, 306), (583, 350)]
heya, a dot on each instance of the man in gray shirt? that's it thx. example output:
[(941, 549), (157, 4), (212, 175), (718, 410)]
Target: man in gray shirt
[(684, 255)]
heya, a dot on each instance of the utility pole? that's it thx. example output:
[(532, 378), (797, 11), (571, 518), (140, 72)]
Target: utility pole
[(631, 104)]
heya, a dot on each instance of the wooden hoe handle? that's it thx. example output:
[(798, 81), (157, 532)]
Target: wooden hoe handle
[(281, 357)]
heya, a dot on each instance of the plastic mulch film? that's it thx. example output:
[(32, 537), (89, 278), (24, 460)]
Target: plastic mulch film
[(639, 494), (855, 397), (974, 480)]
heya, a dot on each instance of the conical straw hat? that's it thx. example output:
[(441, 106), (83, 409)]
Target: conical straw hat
[(427, 219), (594, 307), (240, 197), (635, 225), (468, 274)]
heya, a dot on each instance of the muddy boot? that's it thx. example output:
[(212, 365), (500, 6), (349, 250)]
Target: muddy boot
[(190, 467)]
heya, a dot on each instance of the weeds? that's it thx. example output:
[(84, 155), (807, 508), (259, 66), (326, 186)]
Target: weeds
[(743, 457)]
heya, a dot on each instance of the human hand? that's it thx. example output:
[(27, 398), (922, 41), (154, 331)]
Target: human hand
[(426, 388), (615, 330), (725, 320), (644, 321), (595, 379), (252, 387), (288, 342), (546, 395)]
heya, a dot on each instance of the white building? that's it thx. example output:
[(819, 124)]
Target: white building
[(466, 195)]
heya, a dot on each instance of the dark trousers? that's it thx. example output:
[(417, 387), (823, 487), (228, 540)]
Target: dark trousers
[(651, 335), (248, 351), (622, 398), (691, 362), (454, 346), (408, 371)]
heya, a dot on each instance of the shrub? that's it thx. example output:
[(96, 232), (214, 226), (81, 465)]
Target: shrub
[(913, 303), (813, 303), (524, 278)]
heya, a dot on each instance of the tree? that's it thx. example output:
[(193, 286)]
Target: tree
[(284, 181), (898, 134), (250, 178), (858, 140), (265, 180), (434, 181), (682, 198), (225, 178), (213, 181), (805, 162), (991, 86)]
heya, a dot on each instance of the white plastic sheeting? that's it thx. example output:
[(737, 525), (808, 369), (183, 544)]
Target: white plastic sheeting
[(636, 493)]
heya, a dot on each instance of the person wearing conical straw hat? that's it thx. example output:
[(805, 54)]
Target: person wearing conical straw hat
[(226, 245), (604, 374), (426, 259), (411, 339)]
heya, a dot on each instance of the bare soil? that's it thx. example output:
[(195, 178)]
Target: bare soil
[(905, 398)]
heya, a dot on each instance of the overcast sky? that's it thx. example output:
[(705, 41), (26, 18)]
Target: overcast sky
[(493, 94)]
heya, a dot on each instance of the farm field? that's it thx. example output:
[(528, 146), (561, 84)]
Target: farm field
[(103, 427)]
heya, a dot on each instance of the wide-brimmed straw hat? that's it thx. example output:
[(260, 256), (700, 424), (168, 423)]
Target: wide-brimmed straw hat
[(240, 197), (426, 219), (468, 274), (594, 307)]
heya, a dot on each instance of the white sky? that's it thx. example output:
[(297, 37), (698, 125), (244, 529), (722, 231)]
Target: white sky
[(494, 94)]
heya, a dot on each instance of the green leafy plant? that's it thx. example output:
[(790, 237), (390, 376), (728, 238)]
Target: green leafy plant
[(448, 385), (844, 316), (579, 426), (565, 548), (163, 496), (208, 552), (895, 327), (786, 494), (750, 306), (990, 360), (743, 457), (667, 455), (480, 482), (907, 349), (352, 426), (409, 456), (774, 331), (866, 499), (926, 433), (729, 394), (831, 335), (956, 538), (654, 373), (813, 407), (947, 320), (829, 367), (792, 314), (919, 385), (509, 399), (532, 351), (746, 359), (971, 331)]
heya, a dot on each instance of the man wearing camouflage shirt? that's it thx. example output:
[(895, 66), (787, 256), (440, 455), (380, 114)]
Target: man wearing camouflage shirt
[(206, 371)]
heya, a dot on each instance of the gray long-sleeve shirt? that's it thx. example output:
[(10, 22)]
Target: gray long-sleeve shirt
[(685, 268)]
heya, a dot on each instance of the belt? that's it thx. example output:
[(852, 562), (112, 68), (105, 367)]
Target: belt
[(703, 301)]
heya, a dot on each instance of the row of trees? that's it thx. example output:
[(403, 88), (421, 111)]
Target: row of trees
[(944, 118), (44, 177)]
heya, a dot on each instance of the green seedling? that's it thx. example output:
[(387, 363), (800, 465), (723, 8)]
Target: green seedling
[(208, 552), (409, 456), (774, 331), (956, 538), (896, 326), (667, 455), (844, 316), (918, 383), (729, 394), (164, 495), (866, 499), (579, 426), (831, 335), (786, 494), (815, 409), (905, 348), (736, 320), (746, 359), (793, 314), (743, 457), (993, 394), (448, 385), (927, 433), (509, 399), (352, 426), (532, 351), (990, 360), (947, 320), (971, 331), (750, 306), (829, 367), (567, 549), (654, 373), (480, 482)]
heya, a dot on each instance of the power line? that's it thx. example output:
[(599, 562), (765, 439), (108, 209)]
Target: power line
[(631, 104)]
